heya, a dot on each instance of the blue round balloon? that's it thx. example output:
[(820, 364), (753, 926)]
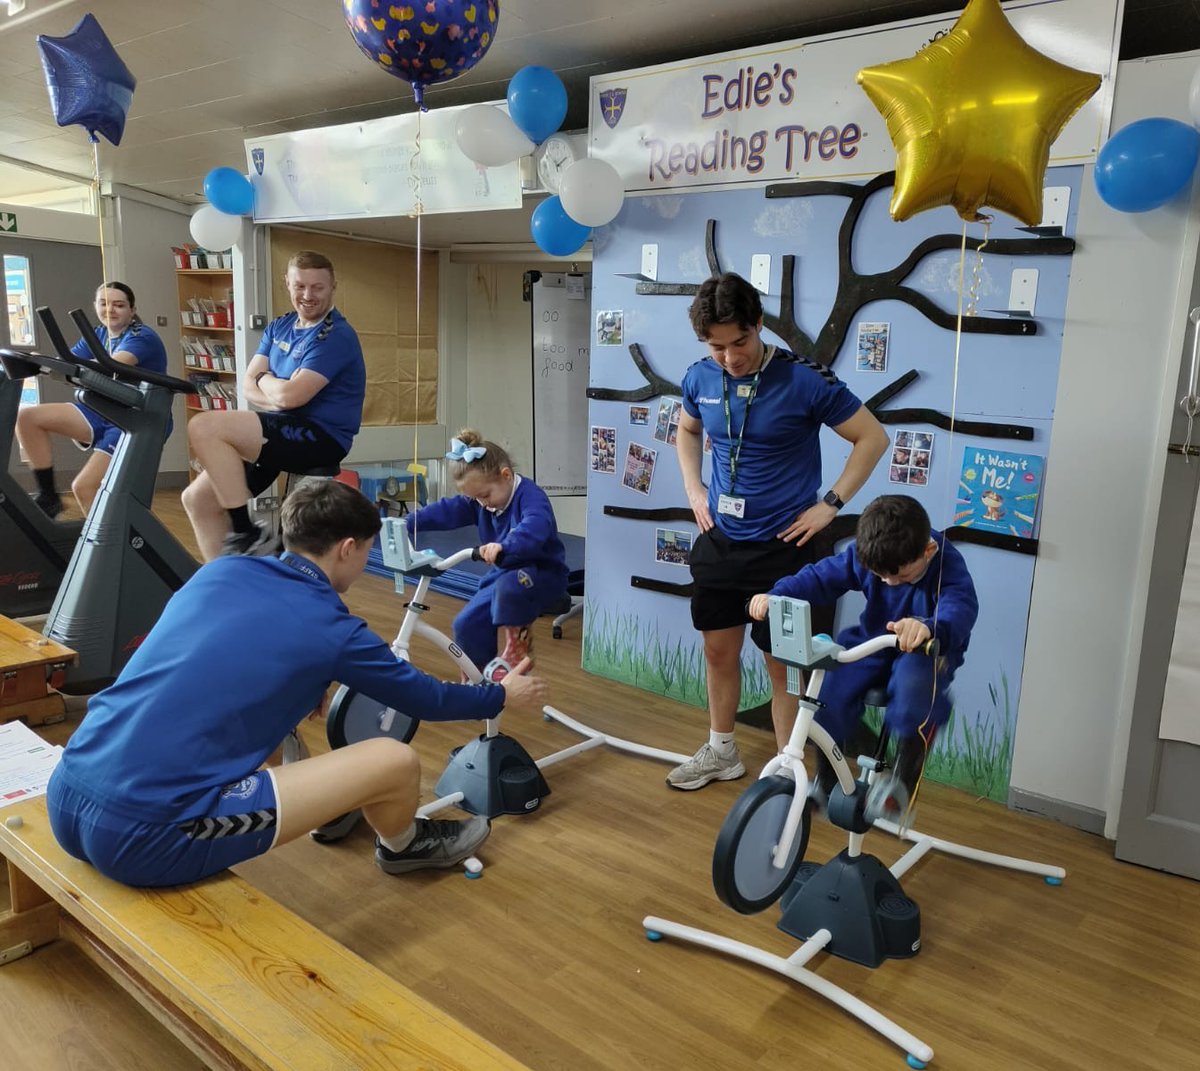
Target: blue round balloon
[(537, 102), (554, 231), (1145, 164), (89, 83), (423, 41), (229, 191)]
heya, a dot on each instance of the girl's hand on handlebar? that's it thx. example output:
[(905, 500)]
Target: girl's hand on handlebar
[(911, 634), (490, 552), (523, 691), (759, 605)]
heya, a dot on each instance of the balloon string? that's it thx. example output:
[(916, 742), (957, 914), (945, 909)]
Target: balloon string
[(415, 183), (970, 311), (111, 342)]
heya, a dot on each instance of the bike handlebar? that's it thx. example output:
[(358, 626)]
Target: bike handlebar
[(929, 648)]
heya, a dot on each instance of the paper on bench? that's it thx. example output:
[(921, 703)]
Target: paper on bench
[(26, 762)]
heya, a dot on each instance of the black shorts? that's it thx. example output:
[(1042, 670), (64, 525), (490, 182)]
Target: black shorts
[(727, 572), (291, 444)]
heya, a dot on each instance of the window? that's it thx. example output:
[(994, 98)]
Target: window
[(20, 314)]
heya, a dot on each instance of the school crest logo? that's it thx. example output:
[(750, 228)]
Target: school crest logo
[(259, 157), (612, 106)]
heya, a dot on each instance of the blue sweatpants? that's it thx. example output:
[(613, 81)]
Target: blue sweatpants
[(917, 691), (512, 597)]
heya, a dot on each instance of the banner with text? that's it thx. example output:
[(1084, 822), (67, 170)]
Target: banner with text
[(794, 110), (373, 169)]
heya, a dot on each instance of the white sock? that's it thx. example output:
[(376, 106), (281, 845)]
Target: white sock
[(722, 742), (401, 840)]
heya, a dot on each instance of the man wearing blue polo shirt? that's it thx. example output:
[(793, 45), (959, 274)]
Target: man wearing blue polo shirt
[(307, 382), (763, 408)]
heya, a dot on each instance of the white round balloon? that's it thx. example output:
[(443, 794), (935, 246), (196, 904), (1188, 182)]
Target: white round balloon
[(591, 192), (214, 230), (1194, 99), (489, 137)]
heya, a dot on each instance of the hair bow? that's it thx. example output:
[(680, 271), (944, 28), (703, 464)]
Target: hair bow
[(460, 451)]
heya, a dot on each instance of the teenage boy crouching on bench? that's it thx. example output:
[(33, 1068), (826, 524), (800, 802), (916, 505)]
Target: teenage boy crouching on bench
[(162, 782)]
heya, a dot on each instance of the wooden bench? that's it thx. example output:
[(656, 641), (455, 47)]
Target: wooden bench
[(239, 979)]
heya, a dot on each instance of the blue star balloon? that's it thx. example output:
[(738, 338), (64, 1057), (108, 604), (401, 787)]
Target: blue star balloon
[(89, 83)]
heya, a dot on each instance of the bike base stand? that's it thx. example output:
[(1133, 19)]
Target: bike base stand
[(860, 902), (495, 775)]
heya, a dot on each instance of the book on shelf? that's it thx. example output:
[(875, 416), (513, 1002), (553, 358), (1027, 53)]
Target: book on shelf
[(211, 393), (999, 491), (208, 353)]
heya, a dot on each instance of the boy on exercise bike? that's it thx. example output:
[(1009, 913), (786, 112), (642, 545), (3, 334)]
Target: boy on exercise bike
[(916, 585), (162, 783)]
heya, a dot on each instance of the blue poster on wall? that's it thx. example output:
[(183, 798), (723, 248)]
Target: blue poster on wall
[(875, 301)]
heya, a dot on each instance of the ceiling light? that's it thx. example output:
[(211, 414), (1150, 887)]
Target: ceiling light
[(15, 6)]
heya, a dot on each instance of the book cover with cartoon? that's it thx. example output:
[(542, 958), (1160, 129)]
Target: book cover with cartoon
[(998, 491)]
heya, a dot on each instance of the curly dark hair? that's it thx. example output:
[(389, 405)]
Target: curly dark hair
[(321, 513)]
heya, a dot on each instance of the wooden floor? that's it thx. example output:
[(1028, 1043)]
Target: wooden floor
[(545, 955)]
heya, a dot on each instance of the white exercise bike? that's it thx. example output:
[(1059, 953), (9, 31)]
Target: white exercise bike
[(852, 906)]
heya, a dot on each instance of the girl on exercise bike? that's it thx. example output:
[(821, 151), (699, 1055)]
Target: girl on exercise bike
[(519, 540)]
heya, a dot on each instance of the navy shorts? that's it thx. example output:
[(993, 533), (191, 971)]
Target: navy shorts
[(290, 444), (105, 435), (243, 824)]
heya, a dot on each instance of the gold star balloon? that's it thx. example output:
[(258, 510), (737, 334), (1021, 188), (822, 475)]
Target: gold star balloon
[(973, 116)]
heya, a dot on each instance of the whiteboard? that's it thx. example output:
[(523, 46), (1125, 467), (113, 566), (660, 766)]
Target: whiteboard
[(562, 305)]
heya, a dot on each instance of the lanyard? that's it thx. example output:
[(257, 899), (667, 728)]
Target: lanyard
[(303, 565), (735, 449)]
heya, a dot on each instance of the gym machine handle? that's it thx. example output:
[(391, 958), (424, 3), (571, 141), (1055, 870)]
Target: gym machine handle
[(130, 373)]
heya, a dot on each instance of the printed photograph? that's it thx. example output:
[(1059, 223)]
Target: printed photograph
[(912, 452), (639, 414), (610, 327), (872, 347), (666, 427), (639, 468), (604, 449), (672, 547)]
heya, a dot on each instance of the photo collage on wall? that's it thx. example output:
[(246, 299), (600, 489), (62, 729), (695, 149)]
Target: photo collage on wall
[(912, 452), (604, 449), (666, 427)]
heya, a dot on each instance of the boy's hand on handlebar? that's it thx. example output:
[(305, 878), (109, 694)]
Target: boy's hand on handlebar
[(490, 552), (759, 605), (911, 634), (523, 691)]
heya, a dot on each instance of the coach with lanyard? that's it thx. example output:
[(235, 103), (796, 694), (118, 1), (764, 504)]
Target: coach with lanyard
[(763, 409), (307, 382)]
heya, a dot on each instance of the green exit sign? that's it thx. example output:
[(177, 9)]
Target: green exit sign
[(8, 222)]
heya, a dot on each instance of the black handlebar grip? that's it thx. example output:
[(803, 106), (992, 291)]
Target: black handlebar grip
[(932, 647)]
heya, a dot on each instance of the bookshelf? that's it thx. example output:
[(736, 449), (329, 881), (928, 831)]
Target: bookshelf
[(205, 286)]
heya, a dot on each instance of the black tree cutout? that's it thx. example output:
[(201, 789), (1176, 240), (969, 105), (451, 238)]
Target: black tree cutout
[(853, 292)]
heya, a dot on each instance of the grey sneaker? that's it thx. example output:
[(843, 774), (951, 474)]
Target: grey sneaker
[(436, 844), (706, 765), (260, 542)]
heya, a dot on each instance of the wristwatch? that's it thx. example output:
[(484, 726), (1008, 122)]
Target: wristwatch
[(832, 498)]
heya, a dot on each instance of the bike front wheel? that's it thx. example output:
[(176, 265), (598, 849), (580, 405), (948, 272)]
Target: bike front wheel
[(354, 717), (744, 873)]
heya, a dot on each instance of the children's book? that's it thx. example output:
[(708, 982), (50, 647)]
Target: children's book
[(998, 491)]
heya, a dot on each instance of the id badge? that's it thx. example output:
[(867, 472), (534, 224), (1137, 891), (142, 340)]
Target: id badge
[(743, 390), (731, 506)]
